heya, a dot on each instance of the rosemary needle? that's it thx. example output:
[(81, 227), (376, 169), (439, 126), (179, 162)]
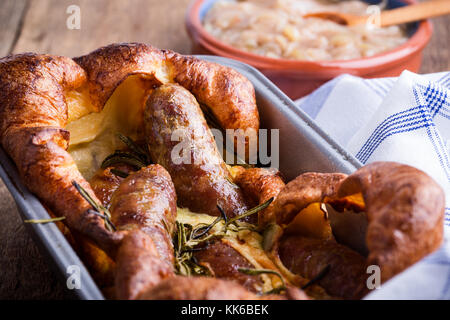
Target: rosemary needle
[(196, 235), (98, 209), (137, 150), (249, 212), (44, 221), (119, 173)]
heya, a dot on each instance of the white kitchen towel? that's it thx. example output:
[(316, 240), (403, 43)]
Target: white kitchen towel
[(404, 119)]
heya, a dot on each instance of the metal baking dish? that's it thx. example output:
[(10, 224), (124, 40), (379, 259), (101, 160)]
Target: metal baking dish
[(303, 147)]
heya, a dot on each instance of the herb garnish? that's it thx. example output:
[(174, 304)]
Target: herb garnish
[(187, 239), (119, 173), (99, 209), (135, 148), (43, 221), (248, 213), (137, 157)]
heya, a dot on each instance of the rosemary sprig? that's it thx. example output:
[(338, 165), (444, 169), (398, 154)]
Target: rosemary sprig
[(318, 277), (123, 157), (187, 238), (119, 173), (256, 272), (137, 157), (203, 230), (248, 213), (43, 221), (136, 149), (223, 214), (98, 208)]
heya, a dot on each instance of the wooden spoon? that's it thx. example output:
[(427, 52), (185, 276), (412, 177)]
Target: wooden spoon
[(409, 13)]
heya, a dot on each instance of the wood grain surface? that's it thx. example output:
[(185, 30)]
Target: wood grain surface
[(40, 26)]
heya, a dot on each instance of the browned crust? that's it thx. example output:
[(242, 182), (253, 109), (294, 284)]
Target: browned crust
[(260, 185), (33, 113), (108, 66), (228, 94), (211, 84), (404, 207), (405, 211), (32, 91), (305, 189), (48, 171)]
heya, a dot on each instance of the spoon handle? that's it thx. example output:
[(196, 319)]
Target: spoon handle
[(415, 12)]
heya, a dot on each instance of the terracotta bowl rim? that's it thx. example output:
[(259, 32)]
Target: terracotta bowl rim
[(371, 64)]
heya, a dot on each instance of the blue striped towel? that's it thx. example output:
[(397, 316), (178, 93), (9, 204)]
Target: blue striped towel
[(404, 119)]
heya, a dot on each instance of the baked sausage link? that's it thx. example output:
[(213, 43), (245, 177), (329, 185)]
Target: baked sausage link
[(180, 140), (346, 276), (146, 200), (139, 266), (224, 262), (144, 207), (203, 288)]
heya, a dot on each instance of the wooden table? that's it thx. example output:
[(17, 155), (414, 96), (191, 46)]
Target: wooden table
[(40, 26)]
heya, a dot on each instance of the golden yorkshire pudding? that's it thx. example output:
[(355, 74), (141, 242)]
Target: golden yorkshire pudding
[(404, 209), (92, 138), (405, 213), (41, 94)]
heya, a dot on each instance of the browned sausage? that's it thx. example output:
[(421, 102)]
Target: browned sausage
[(144, 207), (224, 262), (197, 288), (201, 178), (308, 257), (203, 288), (104, 182), (139, 266), (146, 200)]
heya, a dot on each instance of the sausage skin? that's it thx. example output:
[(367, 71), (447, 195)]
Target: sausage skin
[(307, 257), (200, 176), (224, 261), (139, 266), (146, 200)]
